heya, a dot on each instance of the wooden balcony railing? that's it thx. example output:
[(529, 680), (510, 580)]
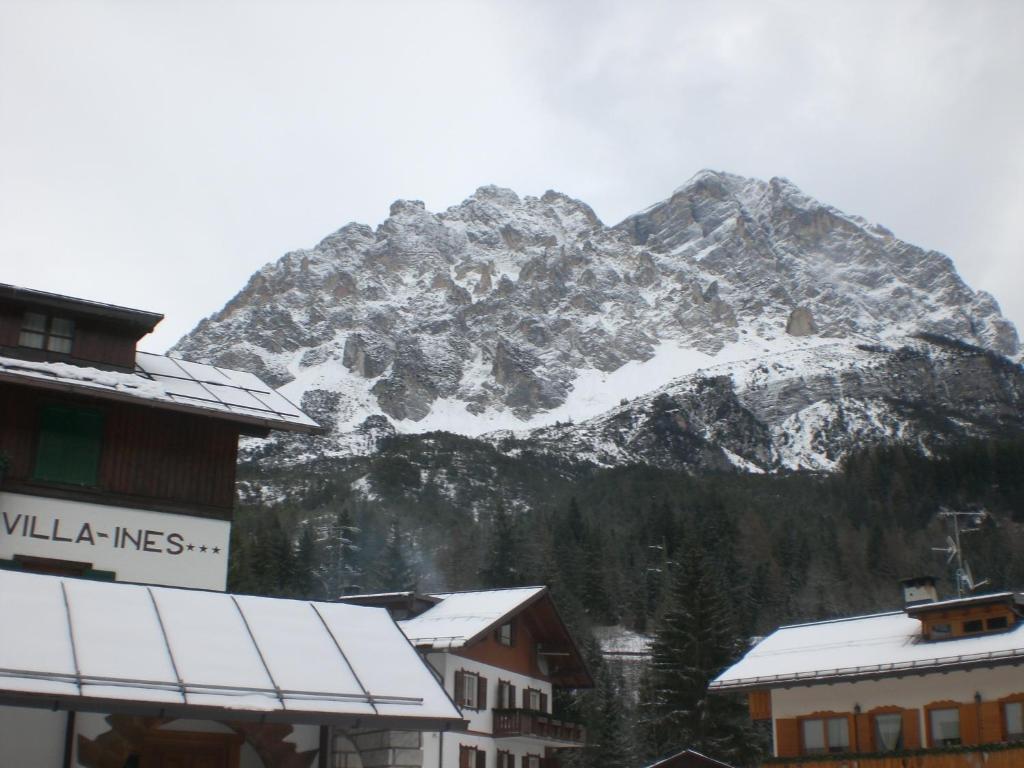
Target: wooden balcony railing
[(526, 722), (984, 756)]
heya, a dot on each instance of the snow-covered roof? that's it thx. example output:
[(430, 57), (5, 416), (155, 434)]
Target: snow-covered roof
[(167, 382), (462, 617), (882, 645), (108, 646)]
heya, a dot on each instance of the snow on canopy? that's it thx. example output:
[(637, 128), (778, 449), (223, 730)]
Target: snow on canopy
[(461, 617), (95, 644), (170, 383), (887, 644)]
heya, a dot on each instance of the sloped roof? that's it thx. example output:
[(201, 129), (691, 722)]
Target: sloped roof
[(166, 382), (689, 758), (462, 617), (124, 647), (862, 647)]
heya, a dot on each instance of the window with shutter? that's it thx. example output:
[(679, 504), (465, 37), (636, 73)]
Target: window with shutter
[(481, 759), (70, 440), (481, 692), (911, 729), (505, 759), (532, 699), (459, 694), (506, 695), (465, 756), (969, 723), (543, 702), (505, 634), (470, 690), (787, 737), (944, 726), (1013, 715)]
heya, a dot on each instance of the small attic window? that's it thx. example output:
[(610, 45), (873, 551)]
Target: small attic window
[(505, 634), (974, 625), (996, 622), (940, 631), (54, 334)]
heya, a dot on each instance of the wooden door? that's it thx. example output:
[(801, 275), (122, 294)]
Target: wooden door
[(182, 749)]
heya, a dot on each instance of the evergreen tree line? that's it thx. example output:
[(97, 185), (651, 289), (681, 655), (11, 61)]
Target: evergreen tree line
[(699, 563)]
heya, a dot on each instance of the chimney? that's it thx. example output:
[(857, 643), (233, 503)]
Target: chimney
[(918, 590)]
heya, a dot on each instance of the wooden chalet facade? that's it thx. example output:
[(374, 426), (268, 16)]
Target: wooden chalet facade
[(117, 463), (118, 644), (937, 685), (501, 654)]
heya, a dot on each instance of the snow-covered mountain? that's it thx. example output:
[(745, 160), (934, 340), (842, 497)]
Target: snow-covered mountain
[(507, 313), (806, 408)]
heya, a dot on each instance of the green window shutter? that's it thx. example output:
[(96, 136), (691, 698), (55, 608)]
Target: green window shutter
[(70, 440)]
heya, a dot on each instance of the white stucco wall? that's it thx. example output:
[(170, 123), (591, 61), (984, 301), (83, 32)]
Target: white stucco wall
[(31, 737), (442, 751), (154, 551)]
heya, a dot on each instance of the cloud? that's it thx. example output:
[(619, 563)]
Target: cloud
[(157, 154)]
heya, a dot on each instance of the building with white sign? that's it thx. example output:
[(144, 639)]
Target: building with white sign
[(118, 644)]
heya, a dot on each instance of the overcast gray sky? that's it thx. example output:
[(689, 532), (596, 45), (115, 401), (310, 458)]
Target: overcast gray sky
[(156, 154)]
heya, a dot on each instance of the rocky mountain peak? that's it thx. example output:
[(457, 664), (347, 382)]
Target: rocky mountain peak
[(506, 311)]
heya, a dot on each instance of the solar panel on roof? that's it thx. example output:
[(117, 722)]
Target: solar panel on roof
[(159, 379)]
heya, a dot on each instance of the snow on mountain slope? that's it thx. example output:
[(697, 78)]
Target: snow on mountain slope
[(509, 313), (804, 408)]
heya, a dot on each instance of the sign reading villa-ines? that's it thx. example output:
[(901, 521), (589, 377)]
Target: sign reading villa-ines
[(137, 545)]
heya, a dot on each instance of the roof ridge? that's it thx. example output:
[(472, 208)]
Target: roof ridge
[(481, 591), (840, 620)]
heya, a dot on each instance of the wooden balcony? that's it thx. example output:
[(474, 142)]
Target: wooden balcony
[(985, 756), (537, 725)]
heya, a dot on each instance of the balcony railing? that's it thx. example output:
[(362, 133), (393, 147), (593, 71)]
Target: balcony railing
[(983, 756), (526, 722)]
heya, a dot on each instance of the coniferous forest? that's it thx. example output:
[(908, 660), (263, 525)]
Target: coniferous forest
[(702, 564)]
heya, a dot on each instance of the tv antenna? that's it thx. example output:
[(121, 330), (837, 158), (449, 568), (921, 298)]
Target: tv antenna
[(972, 521)]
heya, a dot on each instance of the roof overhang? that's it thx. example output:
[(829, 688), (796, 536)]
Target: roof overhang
[(554, 638), (154, 390), (1012, 657), (140, 320), (113, 647)]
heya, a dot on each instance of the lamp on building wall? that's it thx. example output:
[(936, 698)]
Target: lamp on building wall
[(856, 709), (977, 697)]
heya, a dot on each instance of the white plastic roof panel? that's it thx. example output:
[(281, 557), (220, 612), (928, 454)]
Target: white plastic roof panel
[(123, 644), (67, 640), (44, 651), (171, 383), (372, 636), (291, 633), (883, 644), (462, 616)]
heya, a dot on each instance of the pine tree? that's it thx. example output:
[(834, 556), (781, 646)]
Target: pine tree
[(610, 732), (501, 567), (339, 572), (695, 641), (395, 573), (306, 564)]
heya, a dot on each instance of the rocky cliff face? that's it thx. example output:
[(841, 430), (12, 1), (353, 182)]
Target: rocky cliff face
[(509, 312)]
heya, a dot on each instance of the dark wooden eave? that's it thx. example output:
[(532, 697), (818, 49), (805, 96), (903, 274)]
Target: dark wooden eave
[(139, 320)]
